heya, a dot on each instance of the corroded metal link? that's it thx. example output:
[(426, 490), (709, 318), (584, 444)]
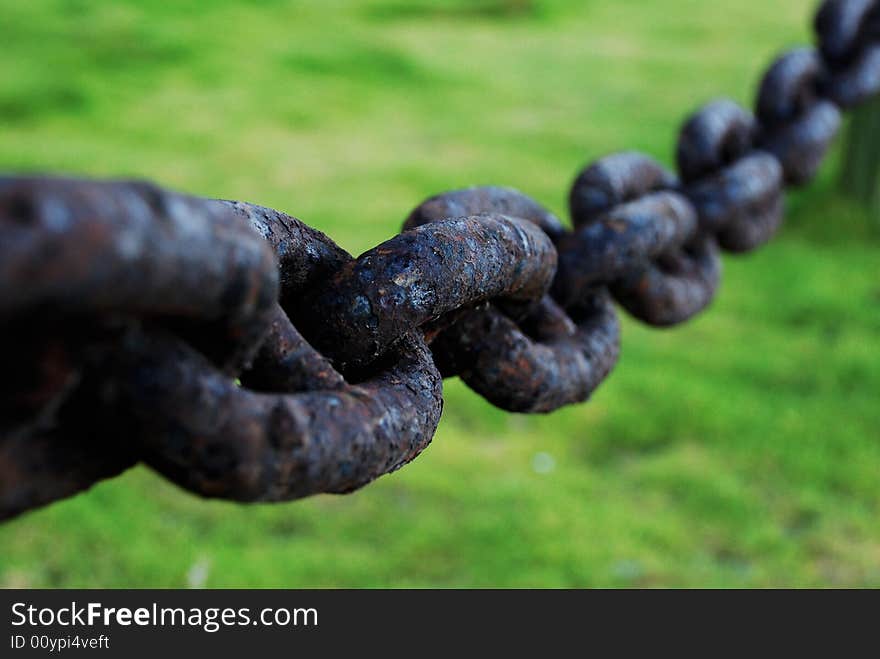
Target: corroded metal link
[(743, 204), (856, 83), (479, 200), (843, 26), (200, 430), (422, 274), (736, 190), (612, 180), (171, 251), (132, 248), (715, 136), (675, 287), (622, 239), (630, 228), (849, 40), (795, 124), (514, 371), (544, 361)]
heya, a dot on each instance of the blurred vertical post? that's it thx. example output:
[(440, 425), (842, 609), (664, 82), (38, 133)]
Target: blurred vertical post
[(860, 173)]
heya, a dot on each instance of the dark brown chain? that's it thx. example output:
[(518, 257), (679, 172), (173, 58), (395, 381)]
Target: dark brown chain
[(244, 355)]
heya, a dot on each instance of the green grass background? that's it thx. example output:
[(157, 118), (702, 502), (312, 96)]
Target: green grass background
[(741, 449)]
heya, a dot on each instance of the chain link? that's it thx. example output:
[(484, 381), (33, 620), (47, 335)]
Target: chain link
[(128, 311)]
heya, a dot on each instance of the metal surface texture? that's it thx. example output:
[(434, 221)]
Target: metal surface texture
[(244, 355)]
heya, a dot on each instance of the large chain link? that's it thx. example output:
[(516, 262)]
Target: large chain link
[(244, 355)]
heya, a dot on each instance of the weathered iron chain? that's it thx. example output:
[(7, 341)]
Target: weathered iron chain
[(128, 311)]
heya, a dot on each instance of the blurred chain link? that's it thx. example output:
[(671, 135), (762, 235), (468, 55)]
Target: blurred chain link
[(243, 354)]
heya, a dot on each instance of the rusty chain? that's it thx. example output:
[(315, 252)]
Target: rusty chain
[(244, 355)]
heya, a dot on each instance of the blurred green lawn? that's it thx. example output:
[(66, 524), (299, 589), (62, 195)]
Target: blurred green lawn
[(739, 450)]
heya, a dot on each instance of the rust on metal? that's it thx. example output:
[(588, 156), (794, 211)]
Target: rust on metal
[(533, 363), (423, 274), (558, 365), (195, 426), (131, 248)]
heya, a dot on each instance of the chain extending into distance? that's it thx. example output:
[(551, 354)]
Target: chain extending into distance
[(244, 355)]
